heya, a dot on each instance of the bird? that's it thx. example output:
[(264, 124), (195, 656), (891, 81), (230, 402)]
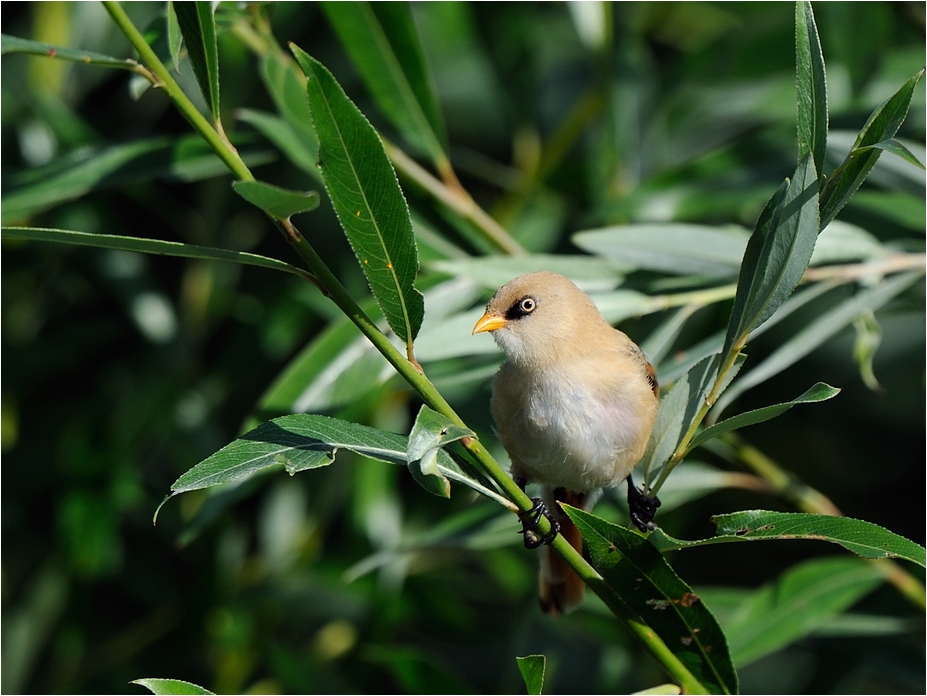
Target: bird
[(573, 404)]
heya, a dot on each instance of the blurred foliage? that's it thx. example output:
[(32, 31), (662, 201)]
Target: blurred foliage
[(131, 369)]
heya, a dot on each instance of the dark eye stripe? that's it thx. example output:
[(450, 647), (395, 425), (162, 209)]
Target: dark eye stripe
[(521, 308)]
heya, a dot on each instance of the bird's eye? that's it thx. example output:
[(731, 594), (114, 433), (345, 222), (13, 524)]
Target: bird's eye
[(527, 305)]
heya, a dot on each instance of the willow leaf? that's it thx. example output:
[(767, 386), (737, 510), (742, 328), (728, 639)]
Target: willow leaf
[(368, 201)]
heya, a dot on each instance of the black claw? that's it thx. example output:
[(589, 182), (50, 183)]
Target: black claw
[(529, 523), (642, 508)]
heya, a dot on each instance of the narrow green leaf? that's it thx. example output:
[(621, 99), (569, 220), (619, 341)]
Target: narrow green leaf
[(13, 44), (819, 392), (384, 45), (430, 432), (532, 668), (365, 193), (644, 581), (816, 333), (896, 147), (778, 253), (672, 248), (811, 86), (199, 34), (796, 604), (862, 538), (171, 687), (882, 126), (277, 202), (147, 246)]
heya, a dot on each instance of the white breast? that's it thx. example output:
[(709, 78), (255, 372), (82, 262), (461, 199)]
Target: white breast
[(565, 436)]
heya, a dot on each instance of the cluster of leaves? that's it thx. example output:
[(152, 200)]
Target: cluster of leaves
[(326, 137)]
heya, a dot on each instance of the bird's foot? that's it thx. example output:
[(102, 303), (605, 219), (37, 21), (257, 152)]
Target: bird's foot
[(642, 508), (529, 525)]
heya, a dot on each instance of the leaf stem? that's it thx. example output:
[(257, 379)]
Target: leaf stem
[(458, 200)]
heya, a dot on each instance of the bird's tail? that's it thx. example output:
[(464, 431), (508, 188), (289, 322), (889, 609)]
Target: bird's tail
[(561, 589)]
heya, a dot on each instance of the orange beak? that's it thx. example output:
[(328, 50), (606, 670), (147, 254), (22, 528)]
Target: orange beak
[(489, 322)]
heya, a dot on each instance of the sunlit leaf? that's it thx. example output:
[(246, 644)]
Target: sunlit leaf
[(862, 538), (819, 392), (672, 248), (365, 192)]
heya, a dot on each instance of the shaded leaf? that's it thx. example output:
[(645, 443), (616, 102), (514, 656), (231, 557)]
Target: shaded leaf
[(198, 27), (644, 581), (277, 202), (287, 87), (187, 158), (384, 45), (673, 248), (14, 44), (170, 687), (365, 193), (811, 85), (284, 137), (862, 538), (532, 668), (819, 392), (882, 126), (796, 604), (148, 246)]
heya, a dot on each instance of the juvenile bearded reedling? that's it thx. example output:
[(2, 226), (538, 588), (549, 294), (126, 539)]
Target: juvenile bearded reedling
[(574, 405)]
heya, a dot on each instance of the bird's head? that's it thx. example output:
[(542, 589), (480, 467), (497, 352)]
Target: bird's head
[(537, 317)]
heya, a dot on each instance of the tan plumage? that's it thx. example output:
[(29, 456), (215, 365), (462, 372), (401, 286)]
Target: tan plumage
[(574, 404)]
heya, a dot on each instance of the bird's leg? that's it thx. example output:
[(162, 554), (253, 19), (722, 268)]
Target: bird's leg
[(642, 508), (530, 518)]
